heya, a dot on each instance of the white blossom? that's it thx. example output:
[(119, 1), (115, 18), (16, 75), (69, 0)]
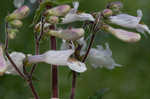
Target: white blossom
[(17, 58), (100, 57), (61, 58), (73, 16), (129, 21), (3, 64)]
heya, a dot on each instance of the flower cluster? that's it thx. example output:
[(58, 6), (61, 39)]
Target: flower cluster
[(113, 15), (54, 20), (74, 45), (14, 20)]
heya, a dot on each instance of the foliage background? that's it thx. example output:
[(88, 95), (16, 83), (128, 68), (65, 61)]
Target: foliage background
[(132, 81)]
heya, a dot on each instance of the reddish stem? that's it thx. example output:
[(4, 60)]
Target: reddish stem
[(54, 68), (73, 85), (83, 60)]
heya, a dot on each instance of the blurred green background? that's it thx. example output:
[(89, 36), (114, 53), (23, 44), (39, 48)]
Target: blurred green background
[(132, 81)]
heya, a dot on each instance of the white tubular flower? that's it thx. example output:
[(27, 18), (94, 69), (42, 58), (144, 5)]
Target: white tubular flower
[(129, 21), (68, 34), (58, 58), (73, 16), (18, 58), (124, 35), (3, 64), (100, 57)]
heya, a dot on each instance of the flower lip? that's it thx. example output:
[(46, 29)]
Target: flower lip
[(18, 58), (76, 66)]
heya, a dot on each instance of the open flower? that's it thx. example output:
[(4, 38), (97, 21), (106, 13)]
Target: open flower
[(17, 58), (3, 65), (67, 34), (61, 57), (129, 21), (73, 16), (100, 57)]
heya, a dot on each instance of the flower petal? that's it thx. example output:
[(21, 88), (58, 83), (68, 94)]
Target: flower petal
[(57, 57), (101, 57), (18, 58), (126, 20), (142, 28), (76, 65), (3, 64)]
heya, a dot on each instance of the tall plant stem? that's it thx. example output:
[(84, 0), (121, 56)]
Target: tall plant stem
[(54, 69), (24, 76), (83, 60)]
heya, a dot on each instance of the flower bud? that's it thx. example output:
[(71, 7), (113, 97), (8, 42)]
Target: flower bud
[(107, 12), (20, 13), (58, 11), (115, 6), (124, 35), (16, 23), (3, 65), (12, 33), (52, 19), (68, 34)]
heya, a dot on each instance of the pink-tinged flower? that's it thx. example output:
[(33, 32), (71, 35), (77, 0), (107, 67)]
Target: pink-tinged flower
[(3, 64), (58, 11), (124, 35), (129, 21), (18, 58), (100, 57), (61, 58), (73, 16), (20, 13), (68, 34)]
